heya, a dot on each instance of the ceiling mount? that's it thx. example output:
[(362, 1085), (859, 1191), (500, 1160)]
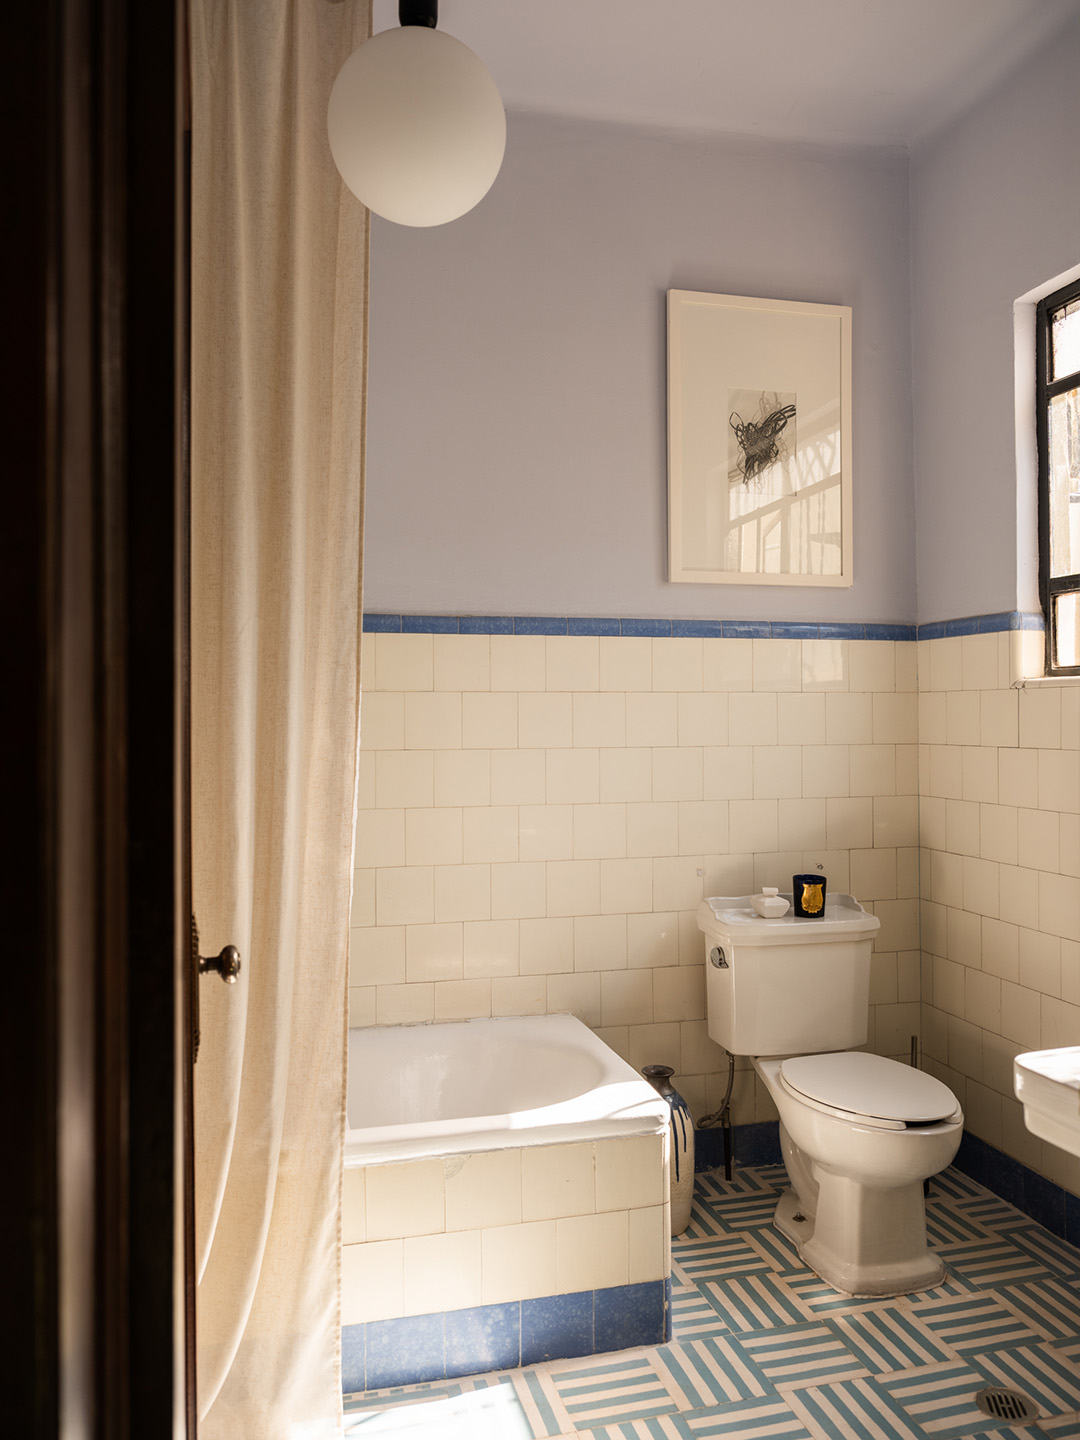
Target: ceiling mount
[(418, 12)]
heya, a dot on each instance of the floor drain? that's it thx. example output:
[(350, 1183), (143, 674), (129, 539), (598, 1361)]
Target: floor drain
[(1006, 1405)]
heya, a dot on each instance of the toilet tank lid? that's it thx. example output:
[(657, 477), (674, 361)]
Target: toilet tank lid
[(870, 1085), (733, 917)]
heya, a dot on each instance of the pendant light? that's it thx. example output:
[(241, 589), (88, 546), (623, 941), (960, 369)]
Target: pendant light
[(416, 124)]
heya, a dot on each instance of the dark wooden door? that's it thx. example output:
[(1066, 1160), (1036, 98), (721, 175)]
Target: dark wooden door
[(93, 596)]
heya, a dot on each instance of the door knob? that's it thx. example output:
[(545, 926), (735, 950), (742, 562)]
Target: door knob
[(227, 964)]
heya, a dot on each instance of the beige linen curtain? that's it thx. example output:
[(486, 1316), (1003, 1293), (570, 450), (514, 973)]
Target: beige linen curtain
[(279, 287)]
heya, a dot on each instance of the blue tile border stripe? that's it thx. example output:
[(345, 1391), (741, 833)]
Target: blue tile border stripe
[(452, 1343), (1051, 1206), (381, 624)]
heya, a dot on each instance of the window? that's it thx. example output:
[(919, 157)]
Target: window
[(1058, 360)]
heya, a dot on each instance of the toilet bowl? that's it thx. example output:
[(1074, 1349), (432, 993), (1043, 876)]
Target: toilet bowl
[(860, 1133)]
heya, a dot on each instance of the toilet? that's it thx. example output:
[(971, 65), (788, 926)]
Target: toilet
[(859, 1133)]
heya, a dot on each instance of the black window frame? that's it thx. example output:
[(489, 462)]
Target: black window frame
[(1046, 389)]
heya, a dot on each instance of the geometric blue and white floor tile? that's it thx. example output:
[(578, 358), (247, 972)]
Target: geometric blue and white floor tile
[(762, 1350)]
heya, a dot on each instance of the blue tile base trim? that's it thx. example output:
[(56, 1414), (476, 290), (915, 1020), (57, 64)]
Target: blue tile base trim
[(380, 624), (1051, 1206), (756, 1144), (452, 1343)]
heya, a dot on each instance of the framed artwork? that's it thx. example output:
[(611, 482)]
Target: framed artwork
[(759, 441)]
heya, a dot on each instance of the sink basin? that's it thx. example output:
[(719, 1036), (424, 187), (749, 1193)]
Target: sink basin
[(1047, 1084)]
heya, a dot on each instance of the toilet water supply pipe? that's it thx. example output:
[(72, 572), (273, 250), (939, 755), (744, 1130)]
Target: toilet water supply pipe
[(722, 1117)]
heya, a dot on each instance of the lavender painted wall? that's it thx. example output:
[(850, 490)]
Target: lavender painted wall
[(517, 445), (995, 206)]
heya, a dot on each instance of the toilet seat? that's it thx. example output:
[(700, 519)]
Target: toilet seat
[(869, 1087)]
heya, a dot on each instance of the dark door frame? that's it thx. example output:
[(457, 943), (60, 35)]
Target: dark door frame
[(92, 577)]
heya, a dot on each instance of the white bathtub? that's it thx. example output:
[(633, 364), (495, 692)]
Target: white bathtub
[(505, 1200), (475, 1085)]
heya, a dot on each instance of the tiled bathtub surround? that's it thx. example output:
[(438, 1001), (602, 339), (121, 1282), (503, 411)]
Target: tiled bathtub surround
[(1000, 829), (540, 816), (761, 1347), (460, 1242)]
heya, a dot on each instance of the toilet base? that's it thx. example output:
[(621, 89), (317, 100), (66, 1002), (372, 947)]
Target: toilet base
[(881, 1272)]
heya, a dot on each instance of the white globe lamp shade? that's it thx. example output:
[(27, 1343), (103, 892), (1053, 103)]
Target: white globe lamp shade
[(417, 127)]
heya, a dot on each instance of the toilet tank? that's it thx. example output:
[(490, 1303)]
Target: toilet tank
[(787, 986)]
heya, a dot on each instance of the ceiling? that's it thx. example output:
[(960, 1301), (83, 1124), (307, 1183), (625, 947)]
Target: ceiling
[(864, 72)]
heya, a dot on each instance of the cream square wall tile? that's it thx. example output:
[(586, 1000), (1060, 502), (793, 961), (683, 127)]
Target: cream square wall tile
[(382, 721), (652, 829), (545, 721), (1039, 838), (777, 665), (625, 663), (649, 1244), (1059, 780), (433, 952), (546, 945), (825, 771), (519, 891), (404, 662), (703, 827), (946, 663), (728, 664), (599, 720), (962, 717), (432, 721), (411, 1004), (872, 769), (592, 1251), (573, 887), (999, 717), (825, 664), (490, 833), (573, 777), (380, 838), (933, 726), (365, 781), (518, 777), (575, 995), (483, 1190), (462, 662), (777, 771), (872, 665), (800, 719), (652, 719), (599, 831), (518, 662), (404, 779), (462, 999), (462, 892), (728, 772), (1040, 719), (434, 837), (462, 777), (520, 995), (679, 994), (652, 940), (801, 824), (979, 769), (631, 1173), (546, 832), (600, 944), (404, 895), (518, 1262), (377, 955), (849, 719), (443, 1272), (895, 719), (678, 884), (1018, 778), (752, 719), (362, 1007), (702, 718), (489, 721), (405, 1199), (979, 662), (372, 1281), (626, 997), (677, 664), (625, 775), (557, 1180), (490, 947), (677, 773), (626, 887), (573, 662)]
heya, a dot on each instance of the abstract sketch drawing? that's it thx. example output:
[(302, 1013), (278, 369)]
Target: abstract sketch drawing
[(762, 425)]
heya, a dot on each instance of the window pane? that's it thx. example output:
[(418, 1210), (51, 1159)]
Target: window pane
[(1067, 629), (1066, 332), (1065, 484)]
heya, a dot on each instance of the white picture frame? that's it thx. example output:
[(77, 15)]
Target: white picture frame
[(759, 441)]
